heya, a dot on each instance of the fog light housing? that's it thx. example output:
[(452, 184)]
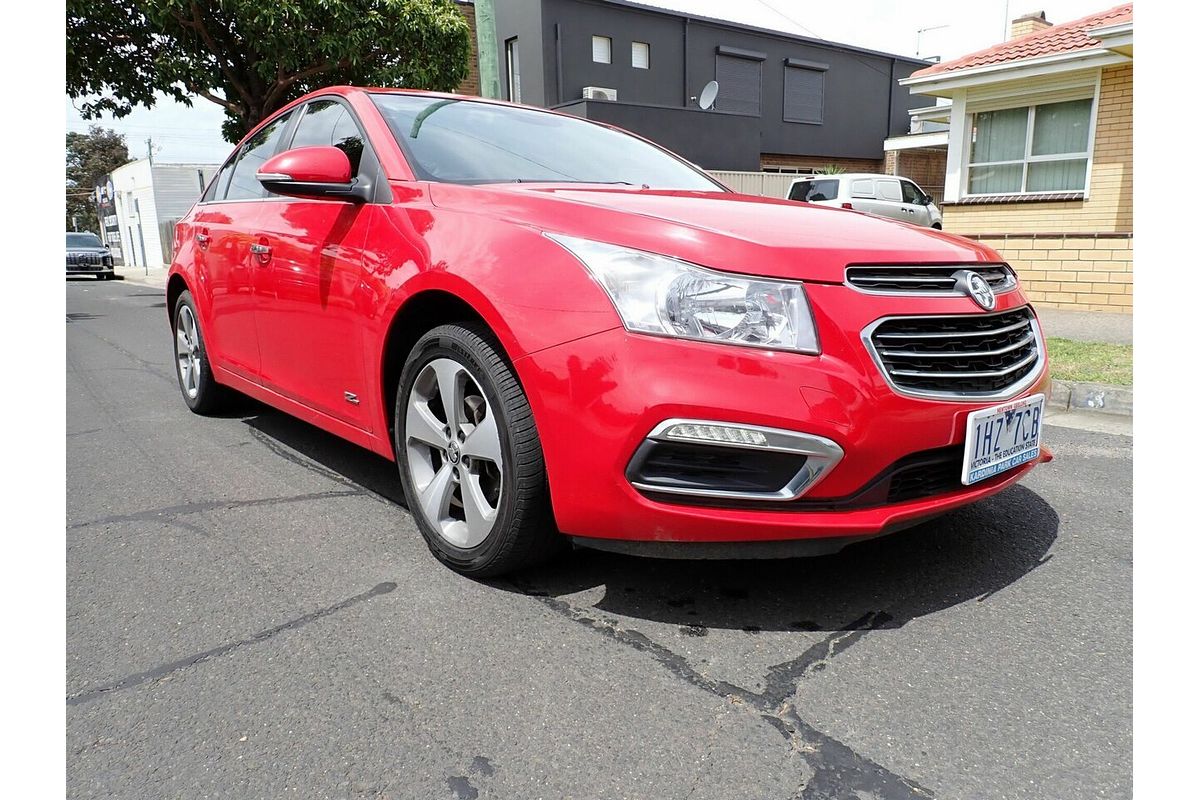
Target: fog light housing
[(723, 460)]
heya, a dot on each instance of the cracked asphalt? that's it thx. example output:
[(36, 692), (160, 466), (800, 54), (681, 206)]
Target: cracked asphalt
[(251, 613)]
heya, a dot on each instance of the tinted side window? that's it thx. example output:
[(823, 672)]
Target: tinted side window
[(242, 183), (889, 190), (911, 193), (327, 122), (814, 191), (216, 189)]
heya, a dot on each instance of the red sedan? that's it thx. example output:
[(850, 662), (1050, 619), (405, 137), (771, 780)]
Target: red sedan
[(560, 331)]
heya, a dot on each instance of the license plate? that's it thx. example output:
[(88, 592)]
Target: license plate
[(1002, 437)]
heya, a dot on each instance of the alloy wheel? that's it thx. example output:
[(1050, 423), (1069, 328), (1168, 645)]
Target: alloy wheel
[(187, 351), (452, 446)]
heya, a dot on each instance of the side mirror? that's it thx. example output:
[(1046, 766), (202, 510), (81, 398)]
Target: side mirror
[(321, 173)]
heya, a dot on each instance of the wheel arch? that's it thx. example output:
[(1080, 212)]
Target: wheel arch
[(420, 313), (176, 285)]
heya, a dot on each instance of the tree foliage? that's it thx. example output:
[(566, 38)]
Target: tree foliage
[(90, 156), (253, 57)]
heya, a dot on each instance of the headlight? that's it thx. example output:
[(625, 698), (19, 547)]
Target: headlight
[(665, 296)]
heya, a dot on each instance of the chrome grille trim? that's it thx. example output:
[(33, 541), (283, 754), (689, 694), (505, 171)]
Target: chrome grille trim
[(924, 280), (960, 353), (1006, 357)]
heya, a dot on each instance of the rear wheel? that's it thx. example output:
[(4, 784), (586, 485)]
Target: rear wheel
[(469, 454), (200, 389)]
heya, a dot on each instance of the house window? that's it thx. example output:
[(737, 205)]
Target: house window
[(803, 91), (1042, 148), (512, 61), (601, 49), (641, 55), (739, 75)]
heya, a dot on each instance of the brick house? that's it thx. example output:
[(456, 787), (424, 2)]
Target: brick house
[(1039, 154)]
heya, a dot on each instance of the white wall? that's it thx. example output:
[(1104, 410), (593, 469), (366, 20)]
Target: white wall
[(149, 199), (136, 213)]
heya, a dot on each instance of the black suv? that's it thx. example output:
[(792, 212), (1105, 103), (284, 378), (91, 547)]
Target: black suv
[(87, 255)]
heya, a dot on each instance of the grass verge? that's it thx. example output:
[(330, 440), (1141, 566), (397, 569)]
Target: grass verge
[(1094, 362)]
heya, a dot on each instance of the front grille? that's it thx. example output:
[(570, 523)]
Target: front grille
[(905, 279), (84, 259), (968, 355)]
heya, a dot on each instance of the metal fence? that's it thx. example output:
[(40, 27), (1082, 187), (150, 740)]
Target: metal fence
[(764, 184)]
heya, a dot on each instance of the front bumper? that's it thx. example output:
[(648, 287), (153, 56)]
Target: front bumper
[(597, 399)]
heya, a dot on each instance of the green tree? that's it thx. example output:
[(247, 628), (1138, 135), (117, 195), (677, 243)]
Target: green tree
[(90, 156), (252, 57)]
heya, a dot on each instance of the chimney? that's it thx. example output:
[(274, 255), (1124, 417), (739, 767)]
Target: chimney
[(1029, 23)]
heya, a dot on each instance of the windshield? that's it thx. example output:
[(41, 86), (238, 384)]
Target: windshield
[(83, 240), (458, 141)]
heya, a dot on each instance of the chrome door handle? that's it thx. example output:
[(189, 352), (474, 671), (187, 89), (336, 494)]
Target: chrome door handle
[(201, 239), (260, 249)]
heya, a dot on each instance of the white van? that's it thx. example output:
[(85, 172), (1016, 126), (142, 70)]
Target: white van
[(885, 195)]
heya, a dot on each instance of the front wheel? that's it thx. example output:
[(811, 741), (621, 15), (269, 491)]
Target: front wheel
[(470, 457)]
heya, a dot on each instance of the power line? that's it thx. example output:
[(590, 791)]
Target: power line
[(816, 35)]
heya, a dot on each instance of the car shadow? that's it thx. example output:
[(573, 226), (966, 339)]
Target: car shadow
[(319, 451), (966, 555)]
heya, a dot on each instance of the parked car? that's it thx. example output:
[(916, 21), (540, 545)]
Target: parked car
[(883, 195), (87, 255), (561, 331)]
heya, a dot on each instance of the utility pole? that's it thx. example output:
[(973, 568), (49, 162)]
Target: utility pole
[(150, 151), (485, 40)]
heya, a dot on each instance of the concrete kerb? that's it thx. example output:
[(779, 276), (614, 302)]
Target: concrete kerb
[(155, 277), (1099, 397)]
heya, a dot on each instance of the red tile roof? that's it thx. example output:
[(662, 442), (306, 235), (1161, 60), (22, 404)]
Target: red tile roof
[(1057, 39)]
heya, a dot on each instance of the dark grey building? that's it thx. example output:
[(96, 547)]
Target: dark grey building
[(785, 101)]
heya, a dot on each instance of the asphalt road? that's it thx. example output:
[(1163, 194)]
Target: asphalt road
[(252, 613)]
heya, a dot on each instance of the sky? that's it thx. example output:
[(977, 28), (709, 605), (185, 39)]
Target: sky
[(183, 134)]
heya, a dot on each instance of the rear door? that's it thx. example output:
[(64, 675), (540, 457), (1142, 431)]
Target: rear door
[(223, 229), (889, 200), (310, 318), (862, 195)]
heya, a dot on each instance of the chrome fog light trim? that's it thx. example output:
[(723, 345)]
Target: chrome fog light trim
[(822, 454)]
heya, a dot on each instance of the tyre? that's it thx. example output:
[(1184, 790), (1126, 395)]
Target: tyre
[(200, 389), (469, 454)]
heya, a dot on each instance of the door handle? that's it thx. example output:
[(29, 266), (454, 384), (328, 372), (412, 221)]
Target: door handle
[(261, 252), (202, 239)]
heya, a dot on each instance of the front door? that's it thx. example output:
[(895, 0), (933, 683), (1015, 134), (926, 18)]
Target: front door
[(310, 315), (915, 207)]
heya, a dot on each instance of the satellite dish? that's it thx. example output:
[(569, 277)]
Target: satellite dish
[(708, 95)]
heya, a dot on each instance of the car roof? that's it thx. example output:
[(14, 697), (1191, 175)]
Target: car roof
[(850, 175)]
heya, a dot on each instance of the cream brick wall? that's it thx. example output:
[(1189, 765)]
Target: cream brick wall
[(1073, 268), (1088, 272)]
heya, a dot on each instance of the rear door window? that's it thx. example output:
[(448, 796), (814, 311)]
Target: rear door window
[(242, 183), (216, 189), (862, 188), (814, 191), (888, 190)]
